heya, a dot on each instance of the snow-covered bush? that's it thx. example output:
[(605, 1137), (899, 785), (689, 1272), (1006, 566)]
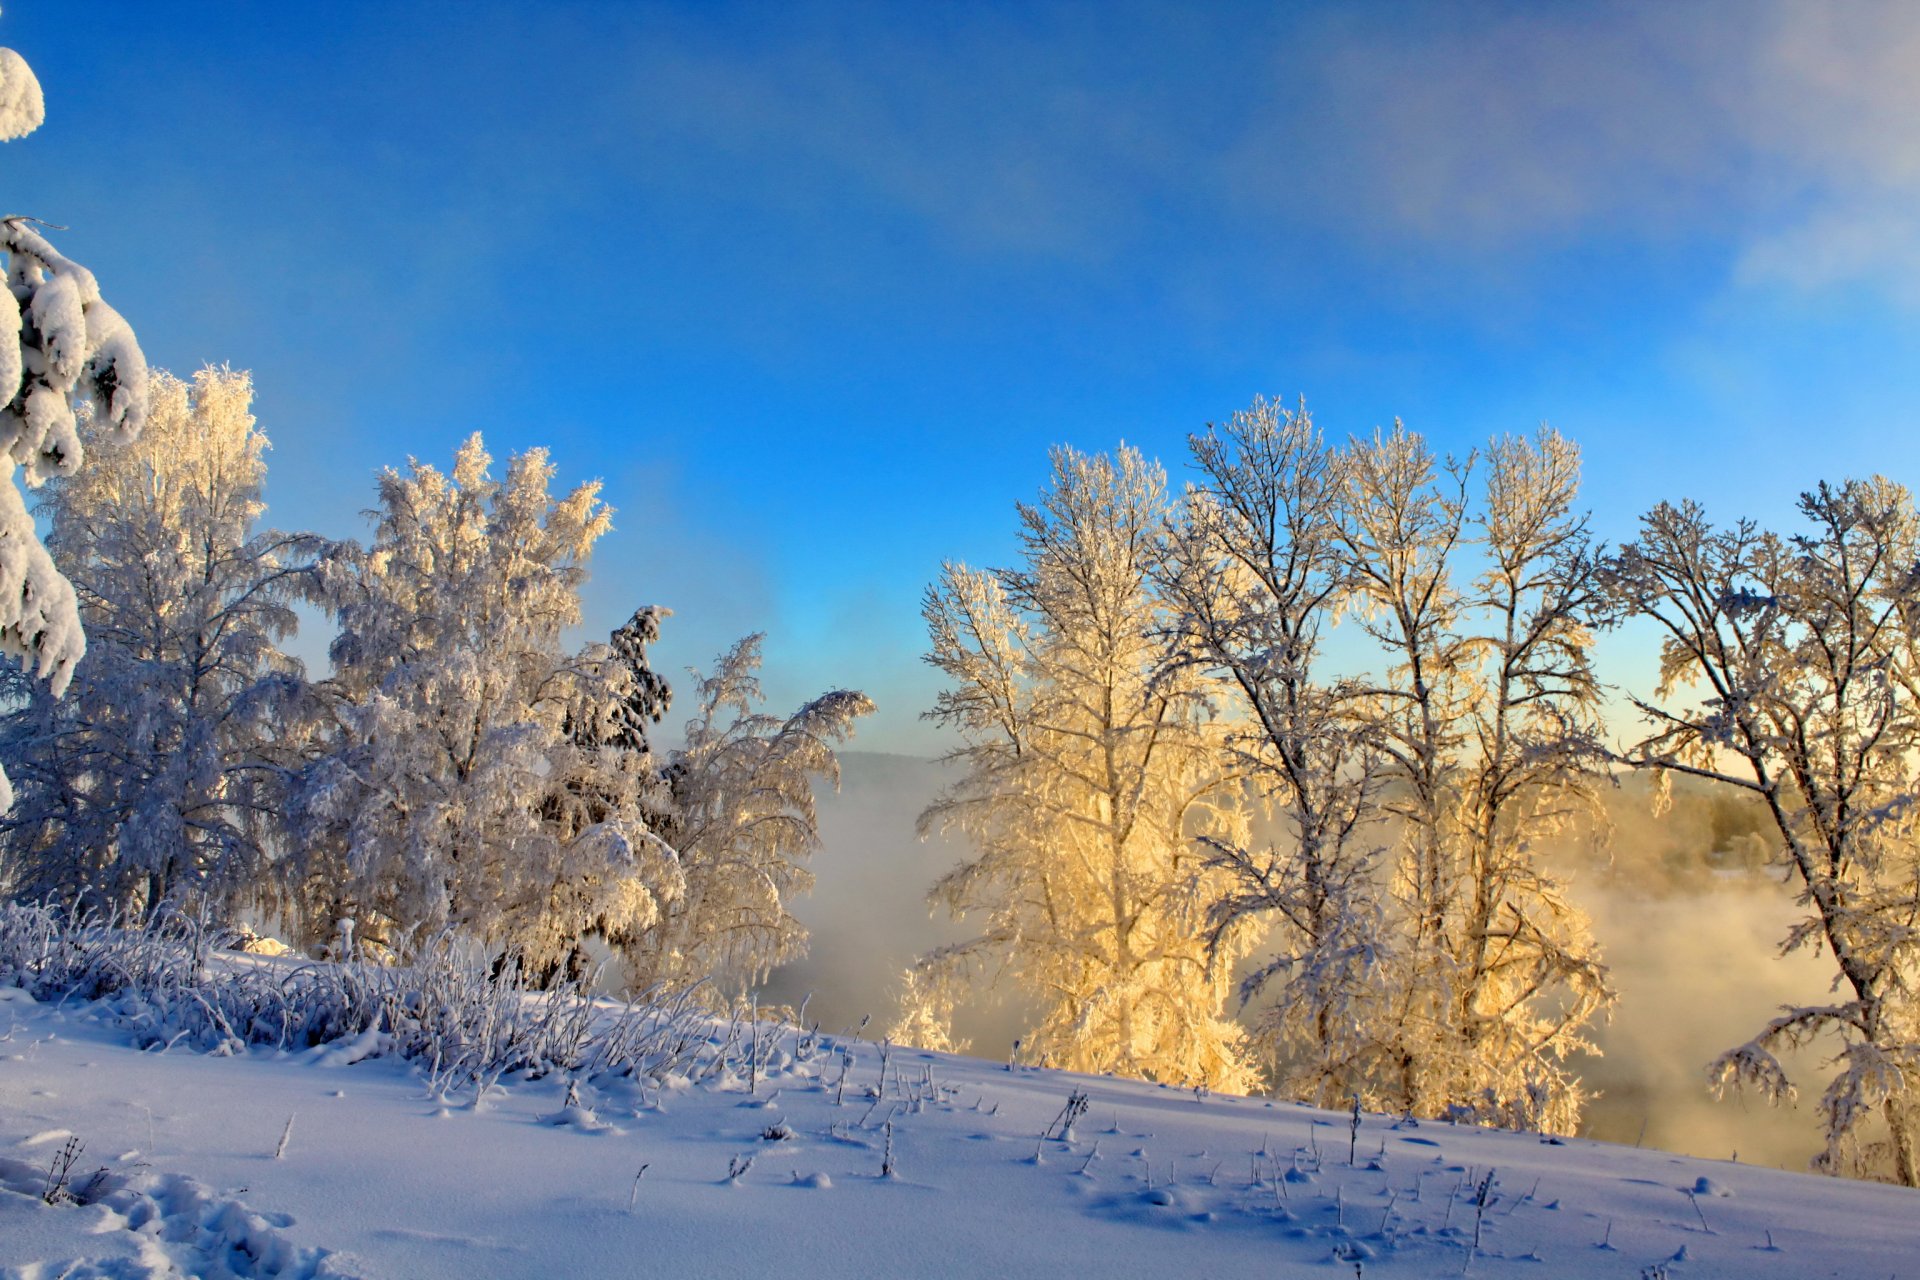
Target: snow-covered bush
[(465, 1018), (53, 952)]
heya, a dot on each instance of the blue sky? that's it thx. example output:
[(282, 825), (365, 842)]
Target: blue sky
[(813, 287)]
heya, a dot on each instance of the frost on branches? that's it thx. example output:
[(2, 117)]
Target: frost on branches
[(1790, 668), (22, 110), (454, 790), (1089, 772), (1425, 960), (1258, 574), (75, 356), (743, 823), (477, 776), (1487, 716), (157, 779)]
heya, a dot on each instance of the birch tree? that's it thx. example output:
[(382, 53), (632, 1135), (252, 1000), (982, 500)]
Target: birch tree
[(1486, 715), (742, 819), (450, 793), (1257, 575), (1789, 671), (159, 778), (1087, 773)]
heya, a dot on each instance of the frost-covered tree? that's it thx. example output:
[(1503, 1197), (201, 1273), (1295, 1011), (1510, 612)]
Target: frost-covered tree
[(1257, 574), (1089, 770), (742, 820), (74, 356), (157, 779), (1790, 669), (1487, 716), (469, 780)]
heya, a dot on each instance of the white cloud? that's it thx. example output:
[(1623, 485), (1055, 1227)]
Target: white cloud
[(1774, 136), (1782, 132)]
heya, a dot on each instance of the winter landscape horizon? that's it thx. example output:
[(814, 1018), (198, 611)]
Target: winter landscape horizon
[(1014, 639)]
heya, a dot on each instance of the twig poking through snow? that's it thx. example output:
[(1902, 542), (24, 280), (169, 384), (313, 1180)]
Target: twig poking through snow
[(60, 1170), (634, 1194), (1062, 1125), (1694, 1200), (286, 1136), (1482, 1197)]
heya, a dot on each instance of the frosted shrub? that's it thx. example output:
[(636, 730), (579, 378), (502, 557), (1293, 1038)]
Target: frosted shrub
[(466, 1019), (51, 953)]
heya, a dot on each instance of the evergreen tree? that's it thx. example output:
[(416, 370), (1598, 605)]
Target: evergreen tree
[(75, 357)]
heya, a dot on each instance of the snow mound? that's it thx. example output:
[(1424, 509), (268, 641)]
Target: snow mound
[(159, 1226)]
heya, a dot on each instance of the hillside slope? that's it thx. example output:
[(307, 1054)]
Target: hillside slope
[(378, 1179)]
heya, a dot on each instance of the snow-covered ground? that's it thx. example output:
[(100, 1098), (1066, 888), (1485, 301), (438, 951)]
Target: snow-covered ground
[(378, 1178)]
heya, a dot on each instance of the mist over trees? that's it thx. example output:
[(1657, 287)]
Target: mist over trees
[(1381, 825), (1207, 847)]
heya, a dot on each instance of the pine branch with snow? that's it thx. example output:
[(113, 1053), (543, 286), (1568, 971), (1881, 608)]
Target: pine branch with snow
[(75, 358)]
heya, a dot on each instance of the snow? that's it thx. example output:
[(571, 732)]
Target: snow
[(22, 108), (609, 1177)]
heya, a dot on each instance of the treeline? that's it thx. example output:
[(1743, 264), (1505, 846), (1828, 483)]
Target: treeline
[(458, 768), (1167, 763)]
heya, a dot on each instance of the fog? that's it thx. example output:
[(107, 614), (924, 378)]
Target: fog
[(1686, 910), (868, 910)]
